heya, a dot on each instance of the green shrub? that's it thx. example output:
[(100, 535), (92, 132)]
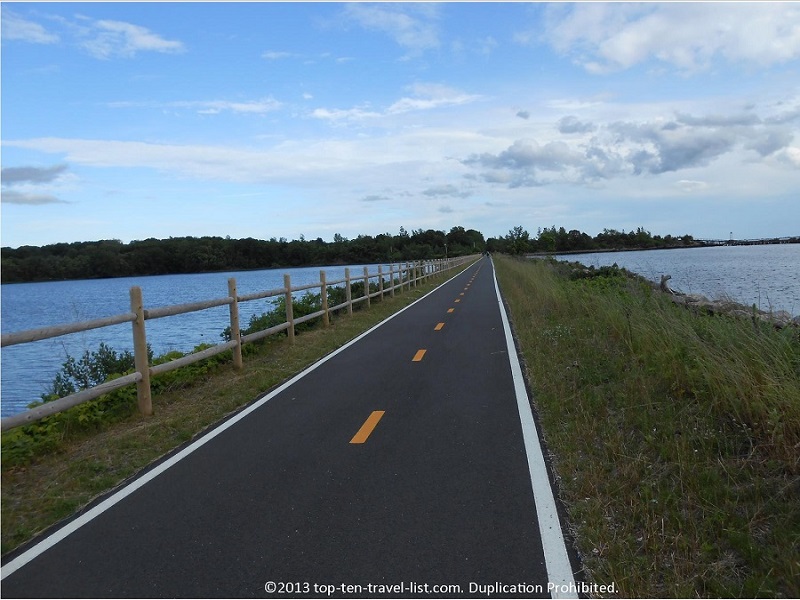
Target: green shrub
[(22, 444), (92, 369), (306, 304)]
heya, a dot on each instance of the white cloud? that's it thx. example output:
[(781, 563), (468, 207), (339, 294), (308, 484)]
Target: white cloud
[(690, 36), (647, 146), (18, 175), (209, 107), (446, 190), (29, 198), (437, 162), (424, 96), (428, 95), (30, 185), (217, 106), (14, 27), (571, 124), (688, 185), (375, 198), (336, 115), (276, 55), (411, 26), (288, 162), (790, 156), (109, 39)]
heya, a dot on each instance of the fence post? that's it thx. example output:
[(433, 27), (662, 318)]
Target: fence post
[(380, 281), (391, 280), (140, 359), (366, 285), (236, 332), (408, 275), (348, 292), (287, 283), (400, 276), (323, 294)]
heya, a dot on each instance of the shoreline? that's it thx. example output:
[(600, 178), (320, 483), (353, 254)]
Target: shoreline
[(747, 276), (733, 243), (697, 302)]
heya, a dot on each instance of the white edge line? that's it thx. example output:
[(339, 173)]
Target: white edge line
[(50, 541), (559, 570)]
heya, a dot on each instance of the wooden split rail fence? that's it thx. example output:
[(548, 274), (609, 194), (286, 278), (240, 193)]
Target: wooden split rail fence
[(406, 276)]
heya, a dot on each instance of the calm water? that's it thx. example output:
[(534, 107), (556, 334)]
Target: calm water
[(28, 369), (767, 276)]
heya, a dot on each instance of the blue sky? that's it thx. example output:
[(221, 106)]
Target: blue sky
[(139, 120)]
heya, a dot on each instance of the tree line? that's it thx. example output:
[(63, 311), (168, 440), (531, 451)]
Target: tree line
[(519, 241), (113, 258)]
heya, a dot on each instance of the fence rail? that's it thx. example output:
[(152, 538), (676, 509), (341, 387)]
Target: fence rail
[(404, 277)]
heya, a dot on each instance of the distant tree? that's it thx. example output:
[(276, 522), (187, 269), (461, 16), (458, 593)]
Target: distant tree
[(518, 240), (547, 239), (497, 245)]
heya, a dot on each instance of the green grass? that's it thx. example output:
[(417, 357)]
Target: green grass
[(675, 436), (45, 482)]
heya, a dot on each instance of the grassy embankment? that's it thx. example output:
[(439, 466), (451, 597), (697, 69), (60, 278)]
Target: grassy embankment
[(47, 479), (675, 436)]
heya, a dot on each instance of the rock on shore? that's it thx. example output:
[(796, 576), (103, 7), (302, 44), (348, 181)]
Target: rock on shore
[(779, 319)]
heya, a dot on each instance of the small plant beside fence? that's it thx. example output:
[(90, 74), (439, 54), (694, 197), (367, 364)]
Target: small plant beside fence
[(399, 279)]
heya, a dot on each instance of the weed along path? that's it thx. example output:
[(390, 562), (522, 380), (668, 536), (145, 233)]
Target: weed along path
[(406, 464)]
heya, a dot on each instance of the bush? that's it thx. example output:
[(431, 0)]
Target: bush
[(307, 304), (92, 369), (22, 444)]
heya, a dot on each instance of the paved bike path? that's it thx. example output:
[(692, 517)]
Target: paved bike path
[(438, 493)]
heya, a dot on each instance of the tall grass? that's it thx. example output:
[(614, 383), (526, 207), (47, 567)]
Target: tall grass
[(675, 436)]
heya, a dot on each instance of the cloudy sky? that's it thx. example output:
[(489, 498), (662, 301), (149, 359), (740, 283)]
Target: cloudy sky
[(264, 120)]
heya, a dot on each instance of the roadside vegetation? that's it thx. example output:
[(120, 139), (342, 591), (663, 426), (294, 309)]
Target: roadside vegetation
[(53, 467), (675, 435)]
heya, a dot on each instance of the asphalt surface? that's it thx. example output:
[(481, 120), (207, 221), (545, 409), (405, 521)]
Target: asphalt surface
[(373, 469)]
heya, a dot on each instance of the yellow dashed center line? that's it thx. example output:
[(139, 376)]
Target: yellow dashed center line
[(450, 310), (418, 356), (438, 327), (366, 429), (457, 300)]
